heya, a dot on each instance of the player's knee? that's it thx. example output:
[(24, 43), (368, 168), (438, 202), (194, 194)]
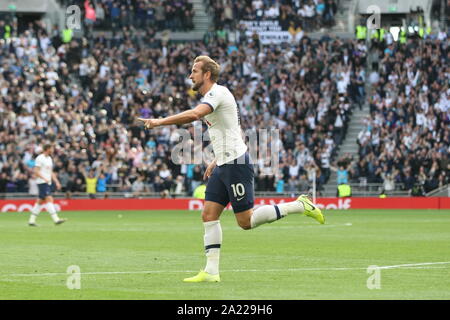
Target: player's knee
[(209, 216)]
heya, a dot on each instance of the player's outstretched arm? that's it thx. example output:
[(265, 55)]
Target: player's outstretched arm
[(184, 117)]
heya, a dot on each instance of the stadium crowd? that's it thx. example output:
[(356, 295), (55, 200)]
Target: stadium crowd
[(307, 15), (85, 96), (405, 142), (175, 15), (86, 101)]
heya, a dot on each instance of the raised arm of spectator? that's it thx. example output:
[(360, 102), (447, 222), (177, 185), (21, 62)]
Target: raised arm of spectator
[(82, 169), (98, 171)]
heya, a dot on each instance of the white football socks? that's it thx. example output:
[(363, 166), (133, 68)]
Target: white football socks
[(51, 209), (291, 207), (35, 212), (264, 214), (271, 213), (212, 241)]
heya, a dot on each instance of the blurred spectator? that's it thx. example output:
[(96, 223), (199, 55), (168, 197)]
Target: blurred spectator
[(3, 182), (138, 186), (90, 16), (102, 183), (178, 187), (90, 179)]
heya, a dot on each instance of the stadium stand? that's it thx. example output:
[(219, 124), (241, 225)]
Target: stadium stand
[(406, 136), (114, 15), (307, 15), (91, 116), (84, 95)]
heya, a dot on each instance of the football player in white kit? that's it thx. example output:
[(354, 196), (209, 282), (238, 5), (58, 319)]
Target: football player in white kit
[(231, 173), (45, 175)]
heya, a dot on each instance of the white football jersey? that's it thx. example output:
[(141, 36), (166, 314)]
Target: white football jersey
[(45, 165), (224, 124)]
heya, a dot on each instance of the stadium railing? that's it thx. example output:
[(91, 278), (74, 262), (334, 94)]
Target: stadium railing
[(374, 189), (443, 191), (368, 190)]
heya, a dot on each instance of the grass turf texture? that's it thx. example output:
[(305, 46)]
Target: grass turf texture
[(145, 255)]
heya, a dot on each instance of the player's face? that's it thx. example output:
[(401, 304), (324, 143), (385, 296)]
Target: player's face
[(49, 151), (196, 76)]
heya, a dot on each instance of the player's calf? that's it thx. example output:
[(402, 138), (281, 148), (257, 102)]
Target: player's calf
[(244, 219), (271, 213), (245, 225)]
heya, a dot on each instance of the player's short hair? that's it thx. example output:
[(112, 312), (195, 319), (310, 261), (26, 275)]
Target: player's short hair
[(46, 147), (209, 65)]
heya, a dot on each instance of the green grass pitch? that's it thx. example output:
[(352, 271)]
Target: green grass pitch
[(145, 255)]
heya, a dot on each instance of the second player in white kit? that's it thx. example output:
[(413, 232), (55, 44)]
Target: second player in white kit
[(43, 171)]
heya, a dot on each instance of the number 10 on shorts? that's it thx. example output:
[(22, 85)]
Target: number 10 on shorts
[(238, 190)]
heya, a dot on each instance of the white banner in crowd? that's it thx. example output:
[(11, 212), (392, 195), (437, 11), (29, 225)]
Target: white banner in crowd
[(267, 37), (269, 31)]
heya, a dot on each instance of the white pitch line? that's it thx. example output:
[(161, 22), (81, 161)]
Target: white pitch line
[(413, 264), (93, 273), (425, 265)]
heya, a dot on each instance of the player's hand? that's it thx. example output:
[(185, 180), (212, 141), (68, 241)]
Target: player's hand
[(58, 186), (209, 170), (149, 123)]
